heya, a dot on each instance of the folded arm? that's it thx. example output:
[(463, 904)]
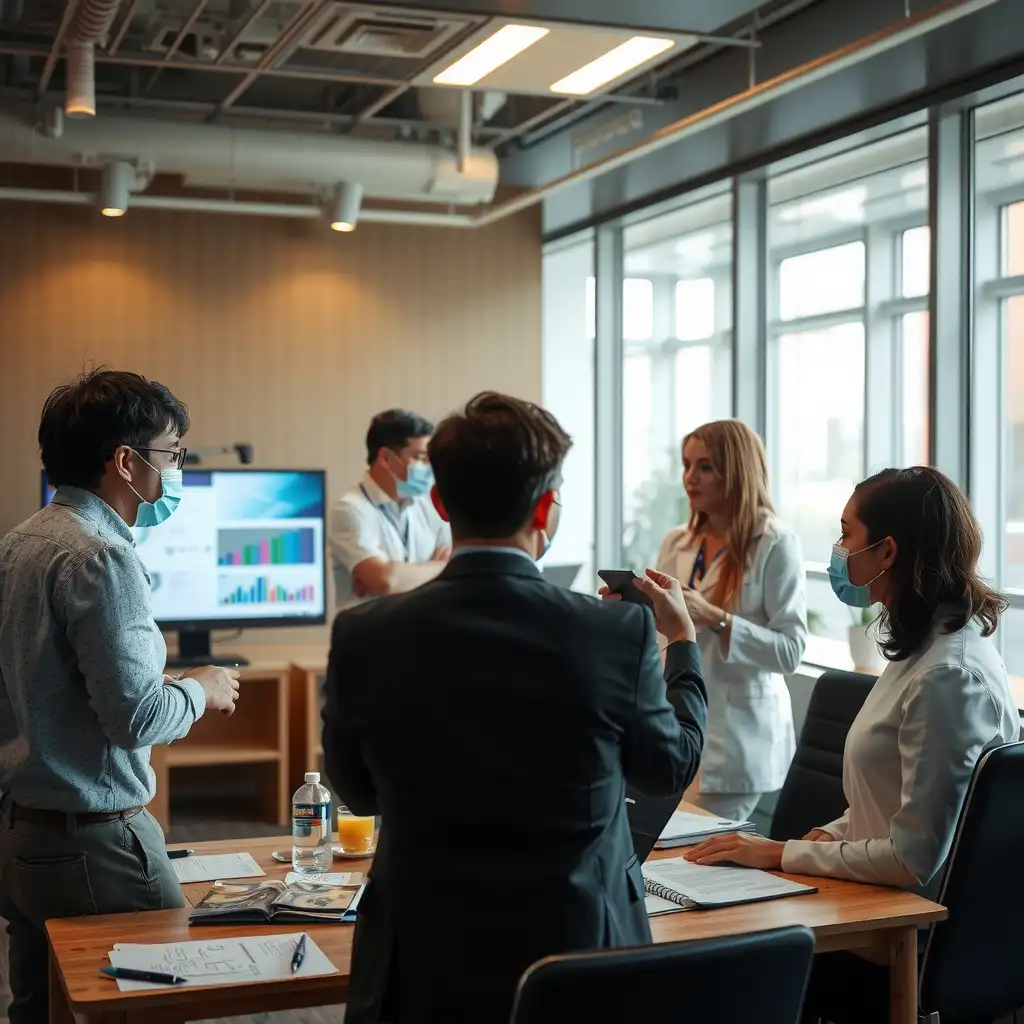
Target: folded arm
[(105, 604)]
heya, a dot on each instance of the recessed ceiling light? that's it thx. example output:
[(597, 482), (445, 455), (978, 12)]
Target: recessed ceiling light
[(494, 51), (611, 65)]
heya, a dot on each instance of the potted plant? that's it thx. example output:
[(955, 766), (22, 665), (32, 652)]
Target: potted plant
[(863, 639)]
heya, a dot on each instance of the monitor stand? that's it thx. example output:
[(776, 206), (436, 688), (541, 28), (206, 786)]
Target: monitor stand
[(194, 651)]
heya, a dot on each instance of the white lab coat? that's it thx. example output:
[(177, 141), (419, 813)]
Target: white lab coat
[(750, 740)]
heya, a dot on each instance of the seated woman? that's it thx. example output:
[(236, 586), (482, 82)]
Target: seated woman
[(911, 543)]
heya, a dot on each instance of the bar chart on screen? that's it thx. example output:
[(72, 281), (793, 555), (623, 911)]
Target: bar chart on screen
[(266, 546), (264, 590)]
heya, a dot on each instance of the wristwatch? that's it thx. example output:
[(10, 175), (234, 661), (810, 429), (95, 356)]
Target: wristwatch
[(722, 623)]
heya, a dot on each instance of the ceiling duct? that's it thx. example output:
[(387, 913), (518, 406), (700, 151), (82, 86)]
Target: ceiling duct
[(219, 156), (91, 25)]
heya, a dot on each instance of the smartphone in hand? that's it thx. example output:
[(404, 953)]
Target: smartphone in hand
[(621, 582)]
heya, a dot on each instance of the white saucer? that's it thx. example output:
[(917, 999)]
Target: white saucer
[(284, 857), (340, 854)]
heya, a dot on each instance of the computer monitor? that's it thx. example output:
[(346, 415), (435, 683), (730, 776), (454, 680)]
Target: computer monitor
[(244, 548)]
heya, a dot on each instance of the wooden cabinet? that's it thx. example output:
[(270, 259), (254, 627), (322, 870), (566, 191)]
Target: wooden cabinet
[(275, 732)]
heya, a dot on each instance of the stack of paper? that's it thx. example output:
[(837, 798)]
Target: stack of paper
[(685, 829), (216, 866), (221, 961)]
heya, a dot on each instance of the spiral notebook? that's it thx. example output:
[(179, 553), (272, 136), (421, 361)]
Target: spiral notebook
[(676, 884)]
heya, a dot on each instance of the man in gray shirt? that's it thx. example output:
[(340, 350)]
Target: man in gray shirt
[(83, 694)]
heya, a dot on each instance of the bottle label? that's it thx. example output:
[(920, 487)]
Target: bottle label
[(311, 824)]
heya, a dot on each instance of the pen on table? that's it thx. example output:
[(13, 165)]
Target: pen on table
[(178, 854), (129, 974), (300, 952)]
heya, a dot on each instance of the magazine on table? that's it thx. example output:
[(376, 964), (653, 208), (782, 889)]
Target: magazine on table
[(273, 902)]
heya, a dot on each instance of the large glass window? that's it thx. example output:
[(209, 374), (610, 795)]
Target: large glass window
[(998, 468), (677, 362), (848, 336), (568, 392)]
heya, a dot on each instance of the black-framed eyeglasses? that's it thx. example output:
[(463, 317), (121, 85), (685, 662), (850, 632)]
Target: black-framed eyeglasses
[(179, 454)]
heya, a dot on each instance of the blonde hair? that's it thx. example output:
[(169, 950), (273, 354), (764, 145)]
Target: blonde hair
[(738, 457)]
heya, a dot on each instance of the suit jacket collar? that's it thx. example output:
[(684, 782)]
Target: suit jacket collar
[(490, 563)]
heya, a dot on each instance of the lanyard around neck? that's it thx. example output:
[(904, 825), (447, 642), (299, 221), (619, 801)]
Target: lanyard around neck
[(701, 566), (398, 525)]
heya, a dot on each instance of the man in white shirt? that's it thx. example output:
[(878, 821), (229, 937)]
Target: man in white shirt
[(385, 536)]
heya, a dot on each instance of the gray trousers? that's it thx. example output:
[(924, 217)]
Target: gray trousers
[(70, 870)]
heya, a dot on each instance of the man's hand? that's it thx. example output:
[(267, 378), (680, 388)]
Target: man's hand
[(219, 684), (442, 554), (671, 617)]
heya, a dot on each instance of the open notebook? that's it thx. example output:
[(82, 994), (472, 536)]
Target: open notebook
[(676, 884)]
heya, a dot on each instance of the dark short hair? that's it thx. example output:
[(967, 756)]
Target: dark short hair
[(394, 429), (493, 461), (938, 544), (86, 420)]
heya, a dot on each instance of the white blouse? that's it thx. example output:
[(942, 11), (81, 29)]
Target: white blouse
[(908, 761)]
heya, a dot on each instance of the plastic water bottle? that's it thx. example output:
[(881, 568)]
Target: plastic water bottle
[(311, 827)]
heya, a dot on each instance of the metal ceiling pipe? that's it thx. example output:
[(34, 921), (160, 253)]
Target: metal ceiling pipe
[(92, 22), (294, 211), (219, 156)]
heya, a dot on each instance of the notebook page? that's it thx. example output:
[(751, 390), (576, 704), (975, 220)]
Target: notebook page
[(716, 886)]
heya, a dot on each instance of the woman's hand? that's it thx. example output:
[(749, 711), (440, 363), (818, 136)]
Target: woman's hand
[(703, 613), (738, 848), (819, 835)]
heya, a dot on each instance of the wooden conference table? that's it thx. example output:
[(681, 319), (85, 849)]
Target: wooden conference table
[(878, 923)]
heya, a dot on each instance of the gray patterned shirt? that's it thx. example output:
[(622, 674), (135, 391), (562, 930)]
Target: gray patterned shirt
[(82, 691)]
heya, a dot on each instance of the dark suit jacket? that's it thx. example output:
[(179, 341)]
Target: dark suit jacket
[(493, 720)]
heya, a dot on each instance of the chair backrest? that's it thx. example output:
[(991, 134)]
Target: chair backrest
[(812, 794), (712, 982), (972, 961)]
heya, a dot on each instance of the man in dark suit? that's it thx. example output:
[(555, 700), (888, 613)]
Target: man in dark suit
[(493, 720)]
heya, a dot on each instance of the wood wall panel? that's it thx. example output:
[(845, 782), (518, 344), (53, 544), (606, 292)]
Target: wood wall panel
[(277, 332)]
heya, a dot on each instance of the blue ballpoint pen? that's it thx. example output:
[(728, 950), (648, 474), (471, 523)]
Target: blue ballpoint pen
[(300, 952)]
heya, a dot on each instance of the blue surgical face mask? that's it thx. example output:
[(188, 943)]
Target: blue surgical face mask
[(418, 481), (153, 513), (839, 576)]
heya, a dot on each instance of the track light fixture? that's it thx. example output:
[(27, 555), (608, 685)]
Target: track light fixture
[(348, 198), (118, 178)]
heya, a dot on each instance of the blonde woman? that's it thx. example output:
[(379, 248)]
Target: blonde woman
[(743, 577)]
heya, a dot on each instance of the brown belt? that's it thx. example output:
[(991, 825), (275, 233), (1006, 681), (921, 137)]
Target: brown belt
[(47, 817)]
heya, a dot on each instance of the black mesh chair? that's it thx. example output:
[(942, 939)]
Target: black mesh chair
[(720, 981), (971, 971), (812, 794)]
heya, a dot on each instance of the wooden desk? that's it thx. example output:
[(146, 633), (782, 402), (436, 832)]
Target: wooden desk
[(879, 922)]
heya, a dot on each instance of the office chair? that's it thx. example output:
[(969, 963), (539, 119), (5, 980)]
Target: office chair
[(812, 794), (678, 983), (971, 970)]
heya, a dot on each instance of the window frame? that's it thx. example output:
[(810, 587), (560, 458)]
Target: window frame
[(881, 314)]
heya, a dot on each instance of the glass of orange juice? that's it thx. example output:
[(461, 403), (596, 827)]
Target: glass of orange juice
[(356, 835)]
